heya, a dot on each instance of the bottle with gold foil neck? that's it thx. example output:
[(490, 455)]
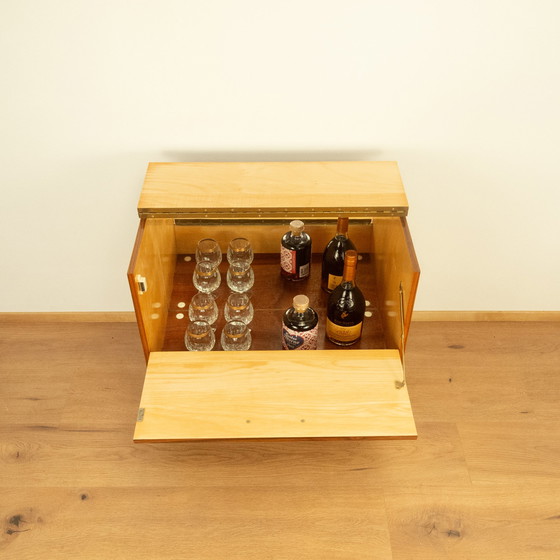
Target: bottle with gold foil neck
[(346, 306), (333, 256)]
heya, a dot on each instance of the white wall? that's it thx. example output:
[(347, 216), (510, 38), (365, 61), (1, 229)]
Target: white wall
[(465, 95)]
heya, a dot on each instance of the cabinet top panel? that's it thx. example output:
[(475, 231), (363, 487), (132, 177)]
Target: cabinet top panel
[(272, 189)]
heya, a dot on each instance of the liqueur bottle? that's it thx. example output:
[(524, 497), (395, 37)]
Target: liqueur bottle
[(299, 329), (346, 306), (333, 256), (295, 252)]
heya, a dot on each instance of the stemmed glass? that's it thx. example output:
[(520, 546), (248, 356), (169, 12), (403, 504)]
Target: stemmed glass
[(208, 251), (206, 277), (199, 337), (203, 307), (238, 307), (236, 335), (240, 277), (240, 250)]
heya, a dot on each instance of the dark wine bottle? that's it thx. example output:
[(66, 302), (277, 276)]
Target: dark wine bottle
[(295, 252), (346, 306), (333, 256), (299, 329)]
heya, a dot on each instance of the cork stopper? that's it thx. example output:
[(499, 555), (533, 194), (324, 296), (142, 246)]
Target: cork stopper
[(300, 303), (342, 226), (296, 226)]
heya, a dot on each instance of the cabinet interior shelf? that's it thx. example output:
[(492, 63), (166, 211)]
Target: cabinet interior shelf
[(271, 295)]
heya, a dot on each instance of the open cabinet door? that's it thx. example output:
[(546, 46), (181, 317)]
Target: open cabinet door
[(274, 394), (150, 277), (397, 274)]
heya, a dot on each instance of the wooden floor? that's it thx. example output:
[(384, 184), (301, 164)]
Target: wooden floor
[(481, 482)]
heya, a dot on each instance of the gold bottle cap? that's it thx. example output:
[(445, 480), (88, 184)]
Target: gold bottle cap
[(301, 303), (350, 262), (351, 258)]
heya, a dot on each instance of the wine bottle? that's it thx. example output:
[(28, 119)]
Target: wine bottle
[(333, 256), (295, 252), (299, 330), (346, 306)]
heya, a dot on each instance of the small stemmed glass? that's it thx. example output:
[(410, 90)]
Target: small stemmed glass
[(199, 337)]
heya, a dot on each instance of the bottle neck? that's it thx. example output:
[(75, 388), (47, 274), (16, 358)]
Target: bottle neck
[(349, 278), (350, 263), (342, 227)]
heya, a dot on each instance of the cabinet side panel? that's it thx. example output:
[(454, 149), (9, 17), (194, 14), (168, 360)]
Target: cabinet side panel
[(395, 265), (153, 265)]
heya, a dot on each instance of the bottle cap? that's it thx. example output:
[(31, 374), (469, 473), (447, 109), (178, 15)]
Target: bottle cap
[(350, 262), (351, 258), (301, 303), (296, 226), (342, 225)]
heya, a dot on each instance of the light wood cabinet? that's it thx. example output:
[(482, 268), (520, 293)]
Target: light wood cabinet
[(267, 392)]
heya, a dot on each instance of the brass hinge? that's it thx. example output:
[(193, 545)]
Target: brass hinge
[(269, 213)]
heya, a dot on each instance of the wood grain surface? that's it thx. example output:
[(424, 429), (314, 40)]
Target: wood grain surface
[(396, 269), (480, 482), (153, 260), (260, 188), (274, 394)]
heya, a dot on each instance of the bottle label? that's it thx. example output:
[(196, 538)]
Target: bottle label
[(304, 270), (296, 340), (288, 260), (344, 334), (334, 281)]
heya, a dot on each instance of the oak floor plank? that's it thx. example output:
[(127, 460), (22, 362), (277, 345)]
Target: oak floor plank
[(231, 521), (481, 480), (74, 373), (465, 371), (497, 522), (103, 457), (512, 452)]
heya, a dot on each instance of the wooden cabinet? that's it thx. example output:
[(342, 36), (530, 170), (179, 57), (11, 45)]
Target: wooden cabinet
[(267, 392)]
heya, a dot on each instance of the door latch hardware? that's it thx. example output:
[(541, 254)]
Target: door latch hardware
[(142, 284)]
